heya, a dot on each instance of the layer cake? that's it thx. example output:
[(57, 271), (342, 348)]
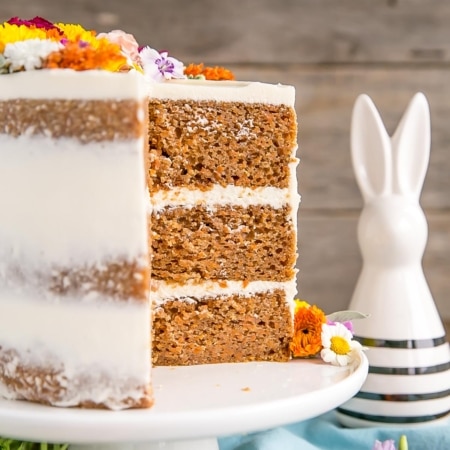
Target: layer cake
[(141, 215)]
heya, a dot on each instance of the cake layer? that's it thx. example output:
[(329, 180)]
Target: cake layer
[(233, 328), (206, 143), (223, 242), (84, 120), (44, 357), (117, 279), (163, 292), (67, 204)]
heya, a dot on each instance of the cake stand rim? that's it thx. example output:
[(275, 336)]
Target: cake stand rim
[(39, 423)]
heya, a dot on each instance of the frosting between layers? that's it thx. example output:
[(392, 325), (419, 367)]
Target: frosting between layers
[(162, 292), (64, 202), (225, 91), (71, 84), (230, 195), (219, 196)]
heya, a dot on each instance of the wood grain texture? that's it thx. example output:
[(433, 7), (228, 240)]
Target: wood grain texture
[(330, 259), (266, 31), (324, 102), (331, 52)]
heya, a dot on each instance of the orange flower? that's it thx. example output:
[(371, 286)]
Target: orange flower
[(308, 322), (210, 73), (106, 56)]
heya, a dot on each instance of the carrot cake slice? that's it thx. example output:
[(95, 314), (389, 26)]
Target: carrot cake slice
[(223, 229)]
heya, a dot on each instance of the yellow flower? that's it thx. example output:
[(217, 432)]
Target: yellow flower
[(308, 322), (74, 33), (300, 304), (13, 33)]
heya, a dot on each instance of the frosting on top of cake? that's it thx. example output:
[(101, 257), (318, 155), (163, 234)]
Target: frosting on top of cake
[(226, 91), (70, 84), (38, 45)]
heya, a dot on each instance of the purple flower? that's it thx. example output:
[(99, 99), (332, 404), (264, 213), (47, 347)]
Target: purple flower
[(160, 66), (347, 324), (385, 445)]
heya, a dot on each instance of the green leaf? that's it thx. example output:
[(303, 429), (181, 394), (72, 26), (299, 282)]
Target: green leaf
[(344, 316)]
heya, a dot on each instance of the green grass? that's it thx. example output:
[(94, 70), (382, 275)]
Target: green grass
[(11, 444)]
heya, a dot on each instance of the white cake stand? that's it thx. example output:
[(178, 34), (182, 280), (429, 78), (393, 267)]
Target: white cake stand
[(194, 405)]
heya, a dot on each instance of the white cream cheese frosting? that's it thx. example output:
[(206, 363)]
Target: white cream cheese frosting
[(103, 339), (73, 85), (162, 292), (63, 202), (68, 204), (226, 91)]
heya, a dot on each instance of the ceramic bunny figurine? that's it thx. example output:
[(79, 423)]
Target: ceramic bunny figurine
[(409, 358)]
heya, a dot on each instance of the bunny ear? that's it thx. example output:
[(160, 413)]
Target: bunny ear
[(371, 150), (411, 147)]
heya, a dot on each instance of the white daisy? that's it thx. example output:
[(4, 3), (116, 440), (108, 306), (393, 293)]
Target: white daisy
[(28, 54), (339, 348)]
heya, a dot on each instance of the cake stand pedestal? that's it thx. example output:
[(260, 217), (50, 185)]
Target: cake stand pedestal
[(194, 405)]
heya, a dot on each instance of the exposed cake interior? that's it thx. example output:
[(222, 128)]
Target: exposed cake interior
[(224, 202)]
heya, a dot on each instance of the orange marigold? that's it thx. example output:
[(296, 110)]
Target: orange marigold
[(216, 73), (107, 56), (307, 339)]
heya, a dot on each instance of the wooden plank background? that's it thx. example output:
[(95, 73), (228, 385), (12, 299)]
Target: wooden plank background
[(331, 52)]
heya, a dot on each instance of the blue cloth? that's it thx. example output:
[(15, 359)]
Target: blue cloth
[(325, 433)]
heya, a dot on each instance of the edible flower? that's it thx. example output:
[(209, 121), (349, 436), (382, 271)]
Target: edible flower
[(37, 43), (330, 336), (73, 32), (385, 445), (308, 321), (127, 43), (339, 348), (36, 22), (347, 323), (29, 54), (199, 71), (390, 444), (82, 56), (160, 66)]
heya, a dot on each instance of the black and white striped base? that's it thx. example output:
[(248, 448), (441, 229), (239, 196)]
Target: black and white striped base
[(408, 384)]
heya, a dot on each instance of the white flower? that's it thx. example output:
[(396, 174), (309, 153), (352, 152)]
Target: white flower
[(339, 348), (160, 66), (29, 54)]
